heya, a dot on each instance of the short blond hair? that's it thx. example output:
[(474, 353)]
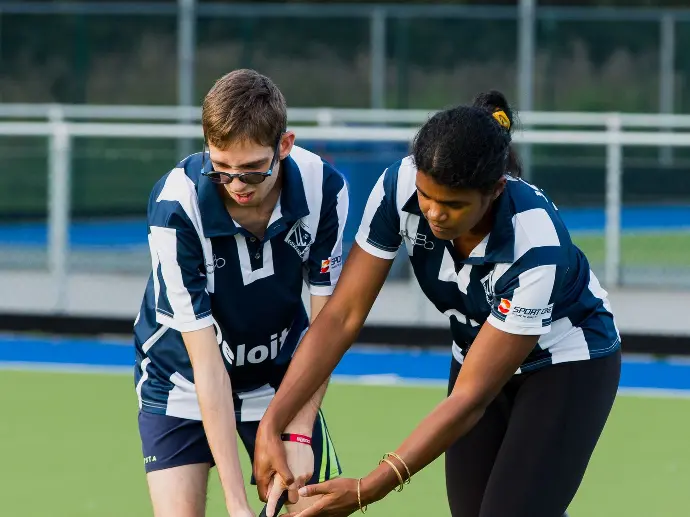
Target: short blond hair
[(243, 104)]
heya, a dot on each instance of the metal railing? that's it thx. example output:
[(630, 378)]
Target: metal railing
[(61, 133), (327, 116)]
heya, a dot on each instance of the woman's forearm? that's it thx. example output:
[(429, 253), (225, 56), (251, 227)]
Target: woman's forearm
[(313, 363), (492, 361), (451, 419)]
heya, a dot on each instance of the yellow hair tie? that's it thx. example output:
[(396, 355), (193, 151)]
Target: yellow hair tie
[(502, 118)]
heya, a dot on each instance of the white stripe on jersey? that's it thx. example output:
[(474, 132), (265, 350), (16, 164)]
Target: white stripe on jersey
[(407, 175), (144, 363), (446, 273), (255, 403), (249, 276), (342, 205), (534, 293), (165, 245), (311, 168), (460, 317), (464, 278), (367, 217), (533, 229), (154, 265), (182, 399), (565, 342), (409, 225), (321, 290), (599, 292), (144, 377), (178, 187)]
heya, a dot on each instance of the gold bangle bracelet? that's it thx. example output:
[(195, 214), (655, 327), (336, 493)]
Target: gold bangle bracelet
[(359, 497), (397, 472), (396, 456)]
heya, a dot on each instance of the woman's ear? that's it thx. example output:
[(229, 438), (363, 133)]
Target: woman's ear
[(499, 188)]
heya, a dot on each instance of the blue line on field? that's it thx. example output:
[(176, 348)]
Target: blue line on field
[(421, 366), (632, 218), (132, 233)]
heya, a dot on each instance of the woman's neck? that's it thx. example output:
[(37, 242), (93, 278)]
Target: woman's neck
[(464, 244)]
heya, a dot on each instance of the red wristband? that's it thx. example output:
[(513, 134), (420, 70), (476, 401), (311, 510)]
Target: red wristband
[(299, 438)]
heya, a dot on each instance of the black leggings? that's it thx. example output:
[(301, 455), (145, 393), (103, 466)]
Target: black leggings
[(528, 454)]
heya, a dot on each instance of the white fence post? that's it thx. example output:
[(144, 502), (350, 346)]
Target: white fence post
[(186, 49), (614, 173), (59, 160)]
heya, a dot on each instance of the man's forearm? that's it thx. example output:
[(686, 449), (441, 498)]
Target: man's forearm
[(303, 423), (311, 367), (217, 409)]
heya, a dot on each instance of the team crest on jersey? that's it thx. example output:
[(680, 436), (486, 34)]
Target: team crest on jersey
[(299, 238)]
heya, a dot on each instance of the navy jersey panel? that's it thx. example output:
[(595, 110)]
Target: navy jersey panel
[(525, 277), (209, 271)]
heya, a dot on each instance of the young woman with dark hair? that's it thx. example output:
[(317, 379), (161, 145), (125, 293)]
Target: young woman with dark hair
[(536, 352)]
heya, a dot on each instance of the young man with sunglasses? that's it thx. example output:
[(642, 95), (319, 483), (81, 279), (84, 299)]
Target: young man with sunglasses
[(234, 231)]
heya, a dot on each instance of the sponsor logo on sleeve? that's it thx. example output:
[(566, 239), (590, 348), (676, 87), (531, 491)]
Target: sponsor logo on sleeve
[(526, 313), (504, 306), (331, 264), (508, 308)]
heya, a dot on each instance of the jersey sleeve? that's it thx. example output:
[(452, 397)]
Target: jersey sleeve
[(379, 231), (182, 301), (522, 303), (326, 253)]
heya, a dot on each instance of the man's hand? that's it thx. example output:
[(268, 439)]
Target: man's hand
[(300, 459)]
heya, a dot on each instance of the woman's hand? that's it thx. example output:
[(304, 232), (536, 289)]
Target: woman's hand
[(338, 499), (271, 470)]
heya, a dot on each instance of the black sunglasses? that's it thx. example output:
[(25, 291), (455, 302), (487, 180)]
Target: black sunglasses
[(250, 178)]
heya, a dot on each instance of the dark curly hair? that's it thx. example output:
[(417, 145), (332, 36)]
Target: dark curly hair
[(466, 147)]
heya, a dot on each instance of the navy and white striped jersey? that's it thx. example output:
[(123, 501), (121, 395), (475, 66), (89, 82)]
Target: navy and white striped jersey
[(207, 270), (526, 277)]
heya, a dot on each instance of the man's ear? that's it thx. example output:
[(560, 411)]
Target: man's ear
[(286, 143)]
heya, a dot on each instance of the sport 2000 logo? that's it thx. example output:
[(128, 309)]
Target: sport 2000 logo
[(254, 355)]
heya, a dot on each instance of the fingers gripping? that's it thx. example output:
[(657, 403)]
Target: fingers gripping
[(277, 496), (312, 490), (273, 506)]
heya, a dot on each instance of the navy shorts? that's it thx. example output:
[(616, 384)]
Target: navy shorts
[(168, 441)]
